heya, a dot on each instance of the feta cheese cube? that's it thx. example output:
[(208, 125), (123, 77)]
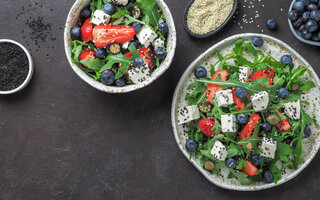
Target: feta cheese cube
[(125, 45), (292, 110), (120, 2), (99, 17), (245, 74), (224, 98), (188, 114), (268, 147), (139, 74), (228, 123), (146, 36), (260, 101), (219, 151), (158, 43)]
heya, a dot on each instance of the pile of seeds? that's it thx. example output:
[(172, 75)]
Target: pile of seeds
[(14, 66), (205, 16)]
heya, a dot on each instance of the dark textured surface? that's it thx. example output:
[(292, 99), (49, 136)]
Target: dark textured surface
[(62, 139)]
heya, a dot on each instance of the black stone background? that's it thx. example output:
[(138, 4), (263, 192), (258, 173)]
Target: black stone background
[(62, 139)]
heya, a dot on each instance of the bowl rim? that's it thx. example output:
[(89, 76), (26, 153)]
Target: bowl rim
[(30, 72), (294, 31), (174, 126), (128, 88)]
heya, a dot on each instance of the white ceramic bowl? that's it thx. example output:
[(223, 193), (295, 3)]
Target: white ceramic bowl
[(72, 20), (276, 48), (31, 67)]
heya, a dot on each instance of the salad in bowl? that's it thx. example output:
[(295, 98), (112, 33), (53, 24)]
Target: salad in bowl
[(120, 45), (243, 119)]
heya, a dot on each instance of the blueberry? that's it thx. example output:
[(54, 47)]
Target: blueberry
[(305, 16), (137, 27), (286, 60), (306, 2), (134, 43), (107, 77), (315, 37), (257, 41), (75, 33), (240, 92), (200, 72), (315, 15), (242, 118), (101, 53), (312, 26), (268, 177), (313, 1), (163, 28), (85, 13), (312, 6), (161, 53), (266, 127), (298, 5), (302, 28), (256, 160), (138, 62), (307, 132), (298, 23), (319, 3), (293, 15), (283, 93), (120, 82), (231, 163), (306, 35), (191, 145), (109, 8), (272, 24)]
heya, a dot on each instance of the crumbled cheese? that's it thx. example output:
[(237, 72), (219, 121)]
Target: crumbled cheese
[(139, 74), (99, 17), (224, 98), (228, 123), (260, 101), (158, 43), (292, 110), (219, 151), (188, 114), (245, 74), (146, 36), (268, 147), (120, 2)]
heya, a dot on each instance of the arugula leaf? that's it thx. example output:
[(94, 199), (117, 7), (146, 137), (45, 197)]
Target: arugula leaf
[(197, 94), (146, 5), (94, 64), (119, 58), (154, 15), (77, 49), (307, 86), (233, 150)]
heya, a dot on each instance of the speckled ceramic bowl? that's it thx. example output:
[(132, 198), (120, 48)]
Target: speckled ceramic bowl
[(72, 20), (276, 48)]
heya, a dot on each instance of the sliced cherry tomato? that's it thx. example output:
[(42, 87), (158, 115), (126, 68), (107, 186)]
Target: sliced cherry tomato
[(86, 31), (250, 169), (284, 125), (267, 73), (86, 54), (237, 101), (147, 56), (212, 88), (206, 125), (248, 130)]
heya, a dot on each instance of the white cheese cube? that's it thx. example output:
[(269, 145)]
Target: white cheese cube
[(268, 147), (125, 45), (228, 123), (139, 74), (120, 2), (99, 17), (158, 43), (224, 98), (292, 110), (146, 36), (219, 151), (245, 74), (260, 101), (188, 114)]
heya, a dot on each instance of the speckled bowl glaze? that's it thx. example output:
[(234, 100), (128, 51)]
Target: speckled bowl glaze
[(276, 48), (72, 19)]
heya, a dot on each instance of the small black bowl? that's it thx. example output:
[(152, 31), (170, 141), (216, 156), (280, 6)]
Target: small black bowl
[(235, 3)]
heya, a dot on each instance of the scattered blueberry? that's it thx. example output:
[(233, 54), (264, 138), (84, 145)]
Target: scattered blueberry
[(138, 62), (305, 16), (293, 15), (306, 2), (256, 160), (101, 53), (286, 60), (272, 24), (161, 53), (109, 8), (137, 27), (298, 23), (231, 163), (120, 82), (163, 28), (283, 93), (307, 132), (191, 145), (242, 118), (299, 6), (313, 1), (134, 43), (257, 41), (302, 27), (312, 6), (266, 127), (107, 77), (315, 15), (268, 176), (85, 13), (306, 35), (240, 92), (315, 37), (312, 26), (200, 72), (75, 33)]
